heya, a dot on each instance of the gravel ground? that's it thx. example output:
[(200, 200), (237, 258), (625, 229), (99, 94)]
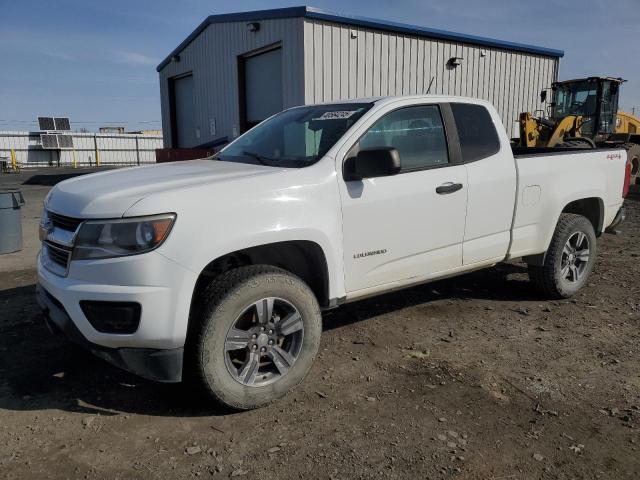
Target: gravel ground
[(476, 377)]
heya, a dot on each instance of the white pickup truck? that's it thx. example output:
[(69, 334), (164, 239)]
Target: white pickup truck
[(217, 269)]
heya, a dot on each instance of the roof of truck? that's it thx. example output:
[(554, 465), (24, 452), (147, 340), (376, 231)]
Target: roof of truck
[(357, 21), (395, 98)]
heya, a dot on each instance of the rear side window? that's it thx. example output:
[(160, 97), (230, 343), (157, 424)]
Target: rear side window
[(478, 136)]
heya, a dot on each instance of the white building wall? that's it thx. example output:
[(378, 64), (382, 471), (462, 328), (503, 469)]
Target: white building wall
[(353, 62), (325, 61), (213, 58)]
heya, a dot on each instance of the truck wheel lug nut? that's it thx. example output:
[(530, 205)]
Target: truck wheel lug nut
[(263, 349), (254, 336)]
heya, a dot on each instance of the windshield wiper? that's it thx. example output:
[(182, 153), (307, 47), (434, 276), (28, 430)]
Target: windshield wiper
[(261, 158)]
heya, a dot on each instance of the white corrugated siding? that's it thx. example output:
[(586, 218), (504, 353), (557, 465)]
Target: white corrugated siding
[(377, 63), (212, 57), (322, 62)]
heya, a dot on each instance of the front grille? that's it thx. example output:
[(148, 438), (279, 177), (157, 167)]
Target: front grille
[(58, 254), (65, 223)]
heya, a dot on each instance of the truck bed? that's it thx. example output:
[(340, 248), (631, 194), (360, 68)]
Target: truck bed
[(549, 179)]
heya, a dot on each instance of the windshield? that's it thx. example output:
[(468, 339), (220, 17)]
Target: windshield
[(575, 98), (295, 138)]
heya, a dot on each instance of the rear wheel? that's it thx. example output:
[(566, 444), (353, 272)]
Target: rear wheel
[(256, 338), (569, 259)]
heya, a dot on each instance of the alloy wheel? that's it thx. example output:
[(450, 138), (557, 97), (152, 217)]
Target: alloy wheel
[(264, 342), (575, 257)]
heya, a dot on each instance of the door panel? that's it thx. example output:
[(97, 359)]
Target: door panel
[(399, 227), (491, 191), (415, 230), (491, 176)]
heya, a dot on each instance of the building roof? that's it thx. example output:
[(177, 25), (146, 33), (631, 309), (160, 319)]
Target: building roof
[(356, 21)]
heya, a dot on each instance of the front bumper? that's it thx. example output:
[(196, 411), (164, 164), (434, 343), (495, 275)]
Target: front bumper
[(161, 287), (161, 365)]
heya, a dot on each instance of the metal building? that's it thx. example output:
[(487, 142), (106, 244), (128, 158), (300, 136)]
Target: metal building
[(235, 70)]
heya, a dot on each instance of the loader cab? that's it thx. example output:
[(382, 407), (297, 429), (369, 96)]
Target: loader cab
[(595, 99)]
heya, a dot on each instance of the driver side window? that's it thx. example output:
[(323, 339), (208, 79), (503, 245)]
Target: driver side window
[(416, 132)]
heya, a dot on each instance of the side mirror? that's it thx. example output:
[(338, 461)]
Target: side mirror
[(543, 96), (371, 163)]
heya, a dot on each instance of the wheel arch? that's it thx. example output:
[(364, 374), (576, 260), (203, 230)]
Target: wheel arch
[(304, 258), (592, 208)]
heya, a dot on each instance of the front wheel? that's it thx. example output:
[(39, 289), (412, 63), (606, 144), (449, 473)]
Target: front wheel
[(256, 337), (569, 259)]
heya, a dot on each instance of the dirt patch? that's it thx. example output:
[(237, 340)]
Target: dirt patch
[(476, 377)]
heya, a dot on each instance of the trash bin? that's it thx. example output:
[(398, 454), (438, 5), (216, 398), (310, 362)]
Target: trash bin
[(10, 220)]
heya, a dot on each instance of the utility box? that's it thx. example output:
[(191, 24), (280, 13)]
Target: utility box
[(10, 220)]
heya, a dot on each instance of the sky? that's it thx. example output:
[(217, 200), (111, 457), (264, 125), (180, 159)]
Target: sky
[(95, 61)]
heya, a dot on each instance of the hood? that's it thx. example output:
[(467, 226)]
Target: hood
[(110, 194)]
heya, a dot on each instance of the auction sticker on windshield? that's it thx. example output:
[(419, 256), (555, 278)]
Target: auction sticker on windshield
[(339, 114)]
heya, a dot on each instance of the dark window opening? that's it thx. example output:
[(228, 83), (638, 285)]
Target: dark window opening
[(416, 132), (477, 134)]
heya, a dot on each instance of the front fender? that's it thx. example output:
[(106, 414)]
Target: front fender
[(292, 204)]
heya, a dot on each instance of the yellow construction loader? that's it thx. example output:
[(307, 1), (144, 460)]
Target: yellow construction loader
[(583, 113)]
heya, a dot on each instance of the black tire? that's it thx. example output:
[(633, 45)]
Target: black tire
[(225, 300), (549, 277)]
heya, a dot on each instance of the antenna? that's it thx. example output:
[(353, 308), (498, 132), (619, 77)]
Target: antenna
[(430, 83)]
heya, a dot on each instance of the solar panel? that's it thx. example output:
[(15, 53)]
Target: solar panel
[(62, 123), (65, 141), (49, 141), (46, 123)]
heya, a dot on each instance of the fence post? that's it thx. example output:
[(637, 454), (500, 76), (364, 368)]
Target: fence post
[(14, 162), (137, 152), (75, 162), (95, 145)]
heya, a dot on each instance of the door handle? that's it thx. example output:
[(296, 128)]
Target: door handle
[(448, 187)]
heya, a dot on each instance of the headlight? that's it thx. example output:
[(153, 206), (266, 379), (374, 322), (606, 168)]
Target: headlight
[(124, 236)]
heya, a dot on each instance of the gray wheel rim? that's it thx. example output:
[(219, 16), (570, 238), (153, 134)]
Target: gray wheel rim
[(264, 342), (575, 257)]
